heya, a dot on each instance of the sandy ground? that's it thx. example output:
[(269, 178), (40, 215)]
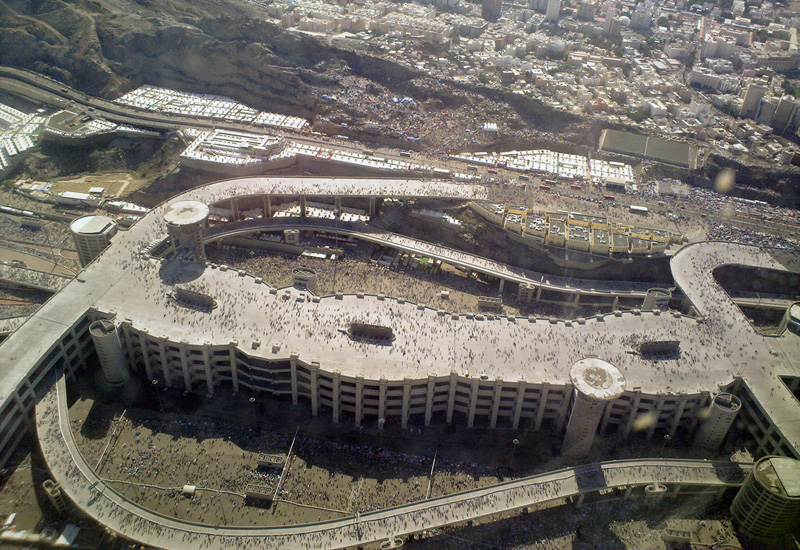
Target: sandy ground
[(115, 184)]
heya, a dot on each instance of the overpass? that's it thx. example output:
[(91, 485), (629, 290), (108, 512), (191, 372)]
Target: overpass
[(463, 260), (30, 278), (93, 496)]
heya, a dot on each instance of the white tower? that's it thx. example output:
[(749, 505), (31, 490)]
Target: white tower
[(109, 350), (185, 223), (92, 235), (721, 414), (596, 382)]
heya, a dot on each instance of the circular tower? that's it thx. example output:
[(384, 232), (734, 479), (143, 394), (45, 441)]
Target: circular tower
[(185, 223), (596, 382), (721, 414), (92, 235), (768, 503), (109, 350)]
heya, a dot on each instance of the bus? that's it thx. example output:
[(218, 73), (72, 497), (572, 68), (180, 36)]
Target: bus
[(405, 154), (524, 178), (639, 210), (609, 197), (492, 170), (544, 187), (576, 186)]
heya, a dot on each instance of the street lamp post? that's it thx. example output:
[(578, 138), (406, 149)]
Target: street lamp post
[(381, 422), (158, 395), (515, 442)]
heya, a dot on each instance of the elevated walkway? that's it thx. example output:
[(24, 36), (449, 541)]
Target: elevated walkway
[(94, 497)]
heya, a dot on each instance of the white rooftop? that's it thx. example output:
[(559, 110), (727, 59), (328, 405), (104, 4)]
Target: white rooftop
[(90, 225), (597, 379), (186, 213)]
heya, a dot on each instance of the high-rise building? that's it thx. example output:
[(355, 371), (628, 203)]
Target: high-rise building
[(752, 100), (767, 110), (612, 26), (721, 413), (185, 223), (768, 503), (586, 11), (553, 10), (784, 114), (92, 235), (641, 19), (596, 382), (490, 10)]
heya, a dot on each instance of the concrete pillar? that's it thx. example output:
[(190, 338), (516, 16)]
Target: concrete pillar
[(628, 492), (498, 389), (502, 285), (336, 396), (207, 366), (518, 403), (81, 355), (293, 374), (148, 369), (162, 350), (314, 376), (406, 399), (563, 409), (429, 399), (473, 402), (539, 293), (187, 379), (632, 415), (606, 416), (371, 207), (269, 206), (616, 303), (676, 420), (577, 298), (359, 400), (656, 414), (302, 206), (234, 366), (382, 398), (537, 424), (235, 209), (451, 397), (675, 491), (579, 500), (337, 205)]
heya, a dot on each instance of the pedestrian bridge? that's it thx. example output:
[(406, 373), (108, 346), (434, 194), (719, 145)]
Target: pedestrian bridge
[(100, 501)]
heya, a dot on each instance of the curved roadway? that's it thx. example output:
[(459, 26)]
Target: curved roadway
[(109, 508)]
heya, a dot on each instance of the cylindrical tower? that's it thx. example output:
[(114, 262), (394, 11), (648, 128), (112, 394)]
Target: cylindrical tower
[(185, 223), (721, 414), (596, 382), (92, 235), (109, 350), (768, 503), (654, 494), (53, 491)]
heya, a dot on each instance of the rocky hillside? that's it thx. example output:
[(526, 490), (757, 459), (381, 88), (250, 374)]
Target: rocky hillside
[(107, 47)]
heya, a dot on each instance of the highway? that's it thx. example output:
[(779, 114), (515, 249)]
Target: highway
[(101, 502)]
